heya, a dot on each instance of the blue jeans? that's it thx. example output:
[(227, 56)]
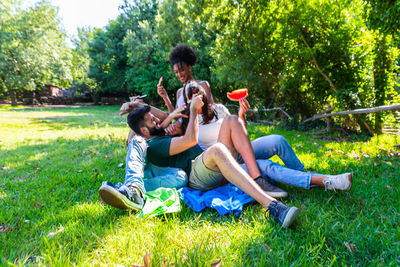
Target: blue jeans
[(148, 176), (267, 146)]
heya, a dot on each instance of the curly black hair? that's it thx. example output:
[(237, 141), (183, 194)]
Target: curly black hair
[(182, 54)]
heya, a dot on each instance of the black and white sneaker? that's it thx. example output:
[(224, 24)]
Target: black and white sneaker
[(283, 214), (269, 188), (125, 197)]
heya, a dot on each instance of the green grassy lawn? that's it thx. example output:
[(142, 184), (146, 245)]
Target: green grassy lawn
[(52, 162)]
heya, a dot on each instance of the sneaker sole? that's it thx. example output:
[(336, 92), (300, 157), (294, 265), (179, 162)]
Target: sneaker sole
[(114, 198), (277, 194), (290, 216), (350, 179)]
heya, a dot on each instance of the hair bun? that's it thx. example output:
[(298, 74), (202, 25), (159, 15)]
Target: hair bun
[(182, 53)]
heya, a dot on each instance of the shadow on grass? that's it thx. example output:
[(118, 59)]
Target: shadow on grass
[(85, 117), (51, 186), (68, 109), (78, 121), (54, 186)]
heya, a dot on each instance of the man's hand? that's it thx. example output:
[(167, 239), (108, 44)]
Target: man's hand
[(137, 98), (174, 129), (189, 139), (129, 106)]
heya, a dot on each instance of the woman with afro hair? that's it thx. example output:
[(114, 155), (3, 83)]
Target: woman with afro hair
[(182, 59)]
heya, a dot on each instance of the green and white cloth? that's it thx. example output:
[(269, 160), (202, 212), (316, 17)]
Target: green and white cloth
[(160, 201)]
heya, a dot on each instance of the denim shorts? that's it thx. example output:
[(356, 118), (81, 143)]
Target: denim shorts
[(202, 178)]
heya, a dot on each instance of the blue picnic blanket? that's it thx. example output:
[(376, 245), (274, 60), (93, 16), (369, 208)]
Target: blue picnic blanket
[(225, 199)]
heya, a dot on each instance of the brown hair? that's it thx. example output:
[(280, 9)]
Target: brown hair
[(208, 111)]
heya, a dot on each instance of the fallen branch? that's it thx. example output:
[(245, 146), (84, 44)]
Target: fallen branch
[(278, 108), (327, 111), (262, 109), (356, 111), (264, 121), (392, 131)]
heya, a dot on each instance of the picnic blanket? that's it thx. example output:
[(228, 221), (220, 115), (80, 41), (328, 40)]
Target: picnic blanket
[(225, 199)]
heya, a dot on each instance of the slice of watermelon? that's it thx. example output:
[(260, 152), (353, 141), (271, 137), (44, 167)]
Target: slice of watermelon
[(238, 94)]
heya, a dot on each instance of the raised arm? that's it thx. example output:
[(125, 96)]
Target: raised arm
[(129, 106), (189, 139), (163, 93), (177, 113), (244, 107)]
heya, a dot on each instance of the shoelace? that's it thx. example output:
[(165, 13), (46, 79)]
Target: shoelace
[(272, 209), (329, 185)]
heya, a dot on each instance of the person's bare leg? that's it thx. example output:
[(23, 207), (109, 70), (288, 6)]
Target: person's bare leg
[(317, 180), (218, 158), (233, 134)]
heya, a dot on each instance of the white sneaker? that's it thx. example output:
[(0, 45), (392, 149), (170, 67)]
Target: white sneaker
[(338, 182)]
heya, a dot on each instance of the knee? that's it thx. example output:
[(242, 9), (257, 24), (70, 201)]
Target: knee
[(218, 151), (278, 139), (181, 179), (234, 120), (232, 117)]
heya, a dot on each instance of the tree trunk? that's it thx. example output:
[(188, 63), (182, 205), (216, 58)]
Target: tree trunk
[(381, 77), (95, 98), (13, 97)]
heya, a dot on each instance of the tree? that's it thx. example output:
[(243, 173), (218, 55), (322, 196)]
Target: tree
[(384, 18), (81, 61), (182, 22), (33, 48), (298, 54), (108, 58), (384, 15), (145, 64)]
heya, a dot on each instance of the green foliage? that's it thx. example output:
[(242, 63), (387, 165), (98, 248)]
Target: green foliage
[(33, 49), (276, 48), (384, 15), (153, 29), (108, 58), (303, 55), (52, 163), (145, 64), (81, 61)]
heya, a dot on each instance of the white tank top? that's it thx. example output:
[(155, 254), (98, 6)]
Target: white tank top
[(180, 101), (208, 133)]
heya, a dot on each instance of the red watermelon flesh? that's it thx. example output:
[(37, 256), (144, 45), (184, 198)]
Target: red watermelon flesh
[(238, 94)]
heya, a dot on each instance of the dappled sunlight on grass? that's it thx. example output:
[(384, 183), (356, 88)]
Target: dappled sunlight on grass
[(171, 240), (3, 193), (52, 163)]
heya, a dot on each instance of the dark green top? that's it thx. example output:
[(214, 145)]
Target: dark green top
[(158, 154)]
